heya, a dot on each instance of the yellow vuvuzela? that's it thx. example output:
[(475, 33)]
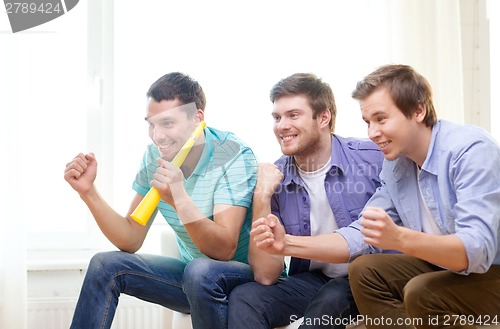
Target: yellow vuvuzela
[(150, 201)]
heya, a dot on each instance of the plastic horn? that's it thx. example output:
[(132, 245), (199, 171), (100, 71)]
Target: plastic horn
[(150, 201)]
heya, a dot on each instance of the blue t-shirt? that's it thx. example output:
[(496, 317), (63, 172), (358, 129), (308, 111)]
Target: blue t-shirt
[(225, 174)]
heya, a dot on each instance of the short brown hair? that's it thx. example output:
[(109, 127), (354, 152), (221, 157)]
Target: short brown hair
[(179, 86), (319, 93), (407, 88)]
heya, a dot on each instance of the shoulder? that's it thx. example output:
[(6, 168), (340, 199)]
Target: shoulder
[(457, 139), (228, 150), (356, 144), (357, 149), (221, 137), (450, 129), (227, 142), (283, 163)]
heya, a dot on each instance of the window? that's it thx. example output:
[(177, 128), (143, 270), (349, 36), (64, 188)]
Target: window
[(78, 84), (45, 100)]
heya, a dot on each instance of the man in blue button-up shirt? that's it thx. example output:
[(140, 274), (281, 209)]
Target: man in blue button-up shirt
[(320, 184), (441, 185)]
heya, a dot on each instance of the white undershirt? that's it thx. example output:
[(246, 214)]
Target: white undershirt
[(428, 223), (321, 217)]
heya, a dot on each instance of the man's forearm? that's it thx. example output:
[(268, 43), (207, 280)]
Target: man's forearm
[(267, 268), (328, 248), (218, 238), (435, 249), (115, 227)]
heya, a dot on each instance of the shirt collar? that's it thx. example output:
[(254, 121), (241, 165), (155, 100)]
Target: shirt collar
[(290, 171), (429, 164)]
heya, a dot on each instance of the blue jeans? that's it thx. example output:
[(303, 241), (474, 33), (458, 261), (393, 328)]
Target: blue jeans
[(316, 297), (200, 287)]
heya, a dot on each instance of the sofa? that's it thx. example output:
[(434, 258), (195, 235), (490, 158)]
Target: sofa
[(183, 321), (179, 320)]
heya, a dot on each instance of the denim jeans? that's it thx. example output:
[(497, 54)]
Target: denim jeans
[(200, 287), (312, 295)]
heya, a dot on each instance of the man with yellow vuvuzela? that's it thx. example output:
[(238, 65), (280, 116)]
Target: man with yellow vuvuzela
[(201, 180)]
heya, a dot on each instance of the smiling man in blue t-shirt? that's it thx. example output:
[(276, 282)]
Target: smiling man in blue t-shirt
[(207, 201)]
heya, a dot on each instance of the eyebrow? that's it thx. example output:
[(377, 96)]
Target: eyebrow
[(159, 118), (375, 114), (288, 111)]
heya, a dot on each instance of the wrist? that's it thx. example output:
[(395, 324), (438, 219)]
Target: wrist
[(287, 243), (89, 194), (404, 240), (181, 201), (262, 197)]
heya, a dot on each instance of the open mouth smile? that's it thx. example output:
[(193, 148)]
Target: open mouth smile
[(162, 147), (288, 138), (383, 145)]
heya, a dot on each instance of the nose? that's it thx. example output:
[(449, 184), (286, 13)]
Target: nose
[(373, 132), (282, 124), (156, 133)]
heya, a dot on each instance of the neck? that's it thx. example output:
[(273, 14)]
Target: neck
[(193, 157), (317, 157), (421, 147)]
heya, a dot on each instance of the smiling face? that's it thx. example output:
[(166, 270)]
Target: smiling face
[(169, 126), (395, 134), (297, 132)]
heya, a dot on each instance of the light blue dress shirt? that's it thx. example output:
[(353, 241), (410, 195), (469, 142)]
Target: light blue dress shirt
[(460, 182)]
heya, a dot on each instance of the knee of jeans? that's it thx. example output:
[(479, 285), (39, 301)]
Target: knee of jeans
[(334, 292), (199, 271), (98, 261), (102, 262), (238, 295), (246, 295)]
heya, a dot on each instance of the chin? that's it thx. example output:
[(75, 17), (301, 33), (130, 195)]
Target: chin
[(167, 156), (391, 157), (288, 151)]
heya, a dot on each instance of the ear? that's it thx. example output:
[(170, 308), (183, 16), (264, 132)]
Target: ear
[(420, 113), (324, 118), (199, 116)]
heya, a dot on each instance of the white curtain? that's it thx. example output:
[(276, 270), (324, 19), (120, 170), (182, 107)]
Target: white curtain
[(494, 18), (426, 34), (13, 195)]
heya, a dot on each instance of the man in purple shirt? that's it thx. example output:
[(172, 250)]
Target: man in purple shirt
[(320, 184)]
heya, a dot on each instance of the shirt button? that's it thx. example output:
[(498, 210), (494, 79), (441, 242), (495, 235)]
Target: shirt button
[(305, 226), (304, 198)]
